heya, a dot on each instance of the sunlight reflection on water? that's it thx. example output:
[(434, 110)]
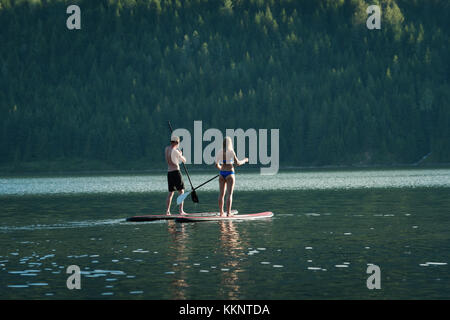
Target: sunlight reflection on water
[(285, 180)]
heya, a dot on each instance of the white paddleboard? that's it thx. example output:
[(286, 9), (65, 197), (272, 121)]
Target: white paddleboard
[(251, 216), (152, 217)]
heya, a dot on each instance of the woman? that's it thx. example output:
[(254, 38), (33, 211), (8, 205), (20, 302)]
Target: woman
[(224, 162)]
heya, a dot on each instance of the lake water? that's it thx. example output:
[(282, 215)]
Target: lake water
[(328, 227)]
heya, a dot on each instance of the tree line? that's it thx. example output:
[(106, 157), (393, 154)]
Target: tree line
[(339, 93)]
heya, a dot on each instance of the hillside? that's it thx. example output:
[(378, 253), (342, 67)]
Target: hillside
[(339, 93)]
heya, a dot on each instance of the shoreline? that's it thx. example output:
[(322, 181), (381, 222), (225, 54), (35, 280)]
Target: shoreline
[(93, 168)]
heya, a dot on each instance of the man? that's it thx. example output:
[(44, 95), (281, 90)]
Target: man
[(175, 181)]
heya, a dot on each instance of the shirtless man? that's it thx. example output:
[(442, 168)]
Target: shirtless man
[(174, 178)]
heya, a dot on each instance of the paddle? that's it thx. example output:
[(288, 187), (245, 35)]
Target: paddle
[(181, 198), (193, 194)]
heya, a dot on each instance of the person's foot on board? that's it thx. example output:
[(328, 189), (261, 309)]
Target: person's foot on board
[(168, 213), (183, 213), (229, 214)]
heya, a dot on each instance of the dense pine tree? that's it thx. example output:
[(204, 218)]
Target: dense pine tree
[(342, 94)]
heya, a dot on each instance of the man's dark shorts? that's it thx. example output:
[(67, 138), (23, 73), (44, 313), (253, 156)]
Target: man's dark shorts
[(175, 180)]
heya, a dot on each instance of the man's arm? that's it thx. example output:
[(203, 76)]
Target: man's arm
[(180, 156)]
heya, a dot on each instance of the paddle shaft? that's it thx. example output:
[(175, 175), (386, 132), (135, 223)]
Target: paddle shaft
[(183, 196), (185, 169), (206, 182)]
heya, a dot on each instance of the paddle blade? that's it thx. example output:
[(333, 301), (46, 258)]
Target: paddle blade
[(181, 198), (194, 196)]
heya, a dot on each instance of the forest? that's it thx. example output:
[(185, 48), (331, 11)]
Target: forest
[(340, 94)]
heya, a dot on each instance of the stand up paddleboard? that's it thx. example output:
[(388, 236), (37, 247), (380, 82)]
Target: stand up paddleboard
[(153, 217), (252, 216)]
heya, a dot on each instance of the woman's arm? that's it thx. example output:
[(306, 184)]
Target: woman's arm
[(217, 162), (239, 162)]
